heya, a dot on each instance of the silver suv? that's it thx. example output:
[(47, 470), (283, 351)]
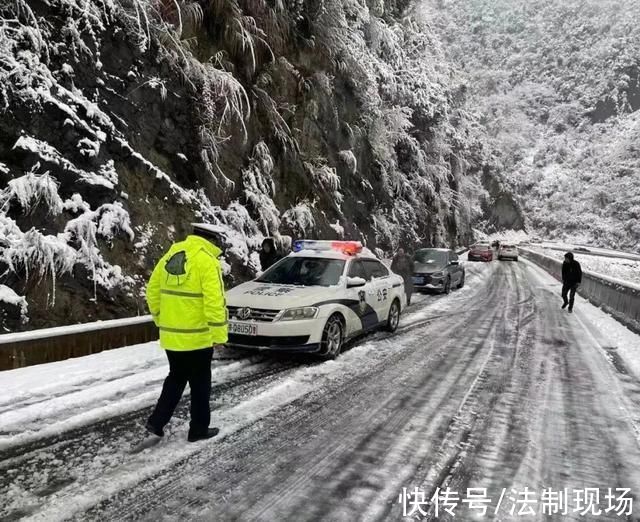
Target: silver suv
[(437, 270)]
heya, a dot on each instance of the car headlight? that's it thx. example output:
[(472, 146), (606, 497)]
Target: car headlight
[(437, 274), (292, 314)]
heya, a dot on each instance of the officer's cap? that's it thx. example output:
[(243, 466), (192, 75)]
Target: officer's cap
[(214, 233)]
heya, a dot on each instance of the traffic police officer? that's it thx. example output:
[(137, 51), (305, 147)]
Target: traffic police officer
[(185, 295)]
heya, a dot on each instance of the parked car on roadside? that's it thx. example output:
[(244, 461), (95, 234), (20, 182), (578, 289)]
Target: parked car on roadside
[(438, 270), (508, 251), (480, 253)]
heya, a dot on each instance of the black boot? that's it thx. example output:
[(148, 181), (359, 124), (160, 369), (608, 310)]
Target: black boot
[(152, 429), (210, 433), (564, 305)]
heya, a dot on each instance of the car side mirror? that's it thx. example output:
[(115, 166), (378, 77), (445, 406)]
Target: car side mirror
[(353, 282), (454, 262)]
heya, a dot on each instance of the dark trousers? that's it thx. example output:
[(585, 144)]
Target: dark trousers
[(193, 367), (408, 289), (571, 290)]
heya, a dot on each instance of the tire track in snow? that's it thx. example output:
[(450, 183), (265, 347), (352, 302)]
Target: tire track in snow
[(322, 456), (547, 422), (447, 463), (99, 445), (60, 487)]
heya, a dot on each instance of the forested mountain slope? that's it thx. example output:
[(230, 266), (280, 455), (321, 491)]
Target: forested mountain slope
[(557, 84), (122, 121)]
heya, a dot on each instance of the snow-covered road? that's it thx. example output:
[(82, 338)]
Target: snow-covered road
[(491, 387)]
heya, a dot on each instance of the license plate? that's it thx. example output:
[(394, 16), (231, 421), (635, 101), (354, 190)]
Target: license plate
[(243, 328), (418, 280)]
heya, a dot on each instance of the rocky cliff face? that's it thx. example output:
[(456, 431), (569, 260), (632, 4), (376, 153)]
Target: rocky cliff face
[(121, 122)]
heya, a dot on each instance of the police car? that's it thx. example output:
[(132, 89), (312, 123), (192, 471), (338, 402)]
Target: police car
[(315, 299)]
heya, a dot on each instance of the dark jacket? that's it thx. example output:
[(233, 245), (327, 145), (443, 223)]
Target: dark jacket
[(268, 258), (571, 273), (403, 266)]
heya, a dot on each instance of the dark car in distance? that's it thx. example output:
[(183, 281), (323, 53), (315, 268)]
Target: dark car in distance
[(437, 270), (480, 253)]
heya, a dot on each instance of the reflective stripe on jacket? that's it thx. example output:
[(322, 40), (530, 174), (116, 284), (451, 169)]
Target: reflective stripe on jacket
[(189, 306)]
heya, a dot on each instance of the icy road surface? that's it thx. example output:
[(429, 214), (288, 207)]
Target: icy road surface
[(491, 387)]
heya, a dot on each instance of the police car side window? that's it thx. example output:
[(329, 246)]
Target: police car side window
[(375, 269), (357, 270)]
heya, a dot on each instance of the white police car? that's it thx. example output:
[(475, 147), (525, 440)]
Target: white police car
[(315, 299)]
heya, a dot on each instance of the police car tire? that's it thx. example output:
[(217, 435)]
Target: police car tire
[(462, 280), (389, 326), (447, 286), (333, 322)]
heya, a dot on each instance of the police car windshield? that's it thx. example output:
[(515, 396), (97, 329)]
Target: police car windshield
[(431, 257), (304, 271)]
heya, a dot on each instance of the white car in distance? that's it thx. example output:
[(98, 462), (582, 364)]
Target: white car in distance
[(315, 299), (508, 251)]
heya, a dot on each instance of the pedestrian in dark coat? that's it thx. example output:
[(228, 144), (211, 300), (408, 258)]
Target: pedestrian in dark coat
[(268, 253), (571, 279), (402, 265)]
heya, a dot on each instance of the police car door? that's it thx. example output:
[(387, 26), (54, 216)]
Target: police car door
[(363, 298), (379, 276)]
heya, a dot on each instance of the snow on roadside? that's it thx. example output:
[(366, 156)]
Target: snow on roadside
[(507, 236), (49, 399), (611, 267)]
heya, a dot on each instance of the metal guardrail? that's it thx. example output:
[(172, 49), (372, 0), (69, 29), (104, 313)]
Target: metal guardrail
[(621, 300), (57, 344), (594, 252)]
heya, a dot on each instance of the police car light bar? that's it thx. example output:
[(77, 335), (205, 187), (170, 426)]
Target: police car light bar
[(346, 247)]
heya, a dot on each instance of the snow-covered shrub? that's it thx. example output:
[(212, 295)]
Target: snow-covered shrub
[(30, 190), (299, 219), (9, 296), (33, 253), (279, 126), (217, 85), (83, 231), (323, 176), (337, 228), (259, 188), (349, 159), (50, 154)]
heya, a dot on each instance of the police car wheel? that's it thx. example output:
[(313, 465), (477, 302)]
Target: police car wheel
[(332, 338), (394, 316), (447, 286)]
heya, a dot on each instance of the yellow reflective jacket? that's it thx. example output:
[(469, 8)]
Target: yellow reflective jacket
[(185, 295)]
